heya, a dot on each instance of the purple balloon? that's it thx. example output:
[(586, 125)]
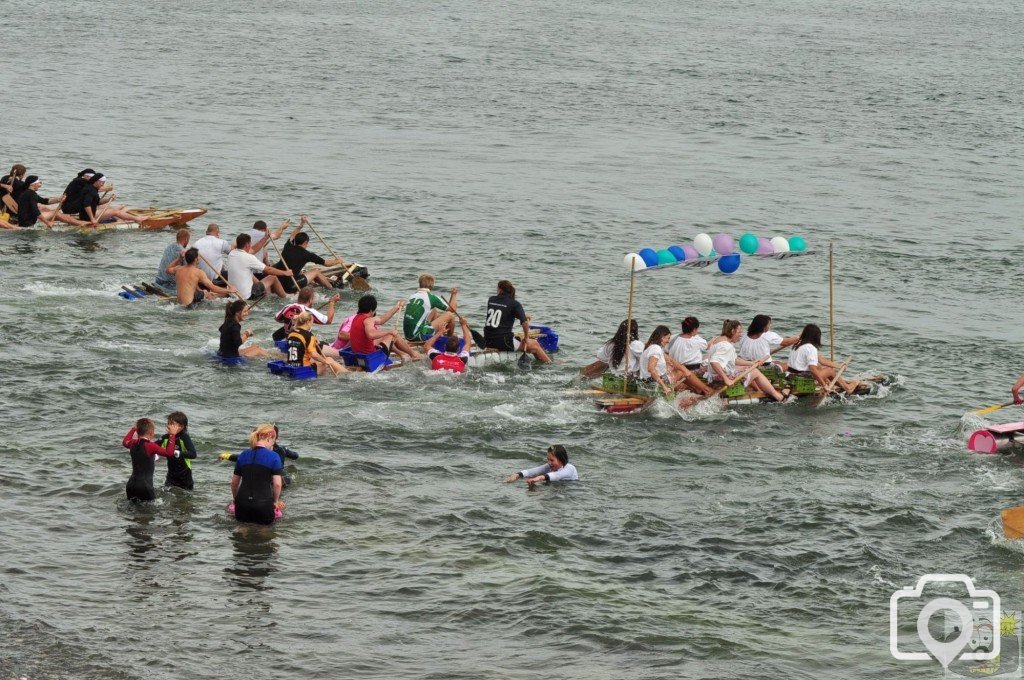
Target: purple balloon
[(691, 252), (724, 245), (764, 246)]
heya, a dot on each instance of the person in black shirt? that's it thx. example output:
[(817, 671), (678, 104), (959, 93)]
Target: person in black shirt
[(295, 255), (11, 185), (502, 312), (179, 467), (231, 335), (29, 201), (73, 192), (90, 202)]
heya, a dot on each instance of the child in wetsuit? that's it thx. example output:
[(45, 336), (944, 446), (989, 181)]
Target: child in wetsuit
[(179, 467), (144, 451)]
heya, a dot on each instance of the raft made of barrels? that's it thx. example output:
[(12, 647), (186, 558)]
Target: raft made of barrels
[(997, 438)]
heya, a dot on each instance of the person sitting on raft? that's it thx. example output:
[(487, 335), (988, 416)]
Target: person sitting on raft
[(32, 207), (256, 480), (611, 357), (557, 469), (179, 467), (242, 266), (805, 361), (761, 340), (143, 451), (1015, 391), (366, 336), (90, 203), (11, 185), (188, 279), (427, 313), (173, 257), (304, 349), (73, 191), (666, 372), (452, 359), (232, 337), (304, 303), (296, 254), (502, 312), (282, 451), (723, 364)]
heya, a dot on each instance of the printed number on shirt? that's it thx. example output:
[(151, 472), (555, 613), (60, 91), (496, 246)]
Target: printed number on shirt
[(493, 318), (293, 353)]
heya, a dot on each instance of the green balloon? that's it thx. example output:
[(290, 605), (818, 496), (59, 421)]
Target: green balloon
[(666, 257), (797, 244), (748, 244)]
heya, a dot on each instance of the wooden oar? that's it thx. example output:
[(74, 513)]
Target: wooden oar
[(839, 372), (281, 257), (358, 282), (217, 275), (1013, 522), (991, 409), (721, 389), (99, 216)]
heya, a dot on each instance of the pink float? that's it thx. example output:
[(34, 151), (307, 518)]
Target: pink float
[(997, 438)]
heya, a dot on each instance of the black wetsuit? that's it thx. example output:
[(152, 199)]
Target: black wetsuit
[(179, 468), (143, 453), (254, 501), (230, 339), (502, 312)]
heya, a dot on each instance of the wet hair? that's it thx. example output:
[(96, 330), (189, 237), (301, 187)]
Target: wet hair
[(506, 287), (560, 453), (301, 239), (259, 225), (305, 295), (426, 281), (759, 324), (233, 308), (659, 333), (302, 319), (451, 344), (18, 171), (191, 255), (242, 241), (810, 335), (728, 326), (179, 418), (262, 431), (619, 341), (690, 324), (144, 427), (367, 304), (183, 233)]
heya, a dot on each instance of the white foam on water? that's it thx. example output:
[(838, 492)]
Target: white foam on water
[(52, 290)]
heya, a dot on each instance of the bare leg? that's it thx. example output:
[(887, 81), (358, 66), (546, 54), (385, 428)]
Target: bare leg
[(254, 351), (696, 384), (402, 345), (316, 276), (765, 385), (440, 321), (534, 348)]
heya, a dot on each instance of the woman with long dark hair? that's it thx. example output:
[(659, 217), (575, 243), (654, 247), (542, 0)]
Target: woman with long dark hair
[(612, 355), (804, 360), (657, 367), (761, 340), (725, 367)]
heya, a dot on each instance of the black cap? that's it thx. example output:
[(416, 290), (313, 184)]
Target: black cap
[(97, 176), (31, 179), (87, 171)]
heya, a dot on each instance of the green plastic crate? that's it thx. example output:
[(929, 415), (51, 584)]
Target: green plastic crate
[(802, 384), (735, 390)]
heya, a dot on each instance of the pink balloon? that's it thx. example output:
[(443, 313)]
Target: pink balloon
[(764, 246), (724, 245), (691, 252)]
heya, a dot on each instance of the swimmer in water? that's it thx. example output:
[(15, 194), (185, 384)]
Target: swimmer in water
[(144, 452), (256, 480), (557, 469)]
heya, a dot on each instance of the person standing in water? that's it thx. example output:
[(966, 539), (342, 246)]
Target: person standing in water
[(144, 451), (179, 467), (256, 480), (556, 469)]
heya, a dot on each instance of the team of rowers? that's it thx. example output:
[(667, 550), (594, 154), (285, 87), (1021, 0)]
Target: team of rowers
[(214, 268), (688, 361), (258, 477), (86, 202)]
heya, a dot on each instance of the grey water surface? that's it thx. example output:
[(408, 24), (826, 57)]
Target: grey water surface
[(539, 142)]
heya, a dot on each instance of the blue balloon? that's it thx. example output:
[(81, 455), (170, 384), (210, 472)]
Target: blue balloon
[(678, 252), (650, 257), (727, 264)]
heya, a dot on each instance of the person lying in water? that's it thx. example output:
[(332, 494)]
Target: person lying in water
[(557, 469), (804, 360)]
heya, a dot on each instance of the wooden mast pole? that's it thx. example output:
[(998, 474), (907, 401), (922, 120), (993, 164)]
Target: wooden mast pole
[(831, 306), (629, 322)]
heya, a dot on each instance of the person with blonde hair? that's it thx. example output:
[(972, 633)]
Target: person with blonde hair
[(724, 365), (304, 349), (427, 313), (256, 479)]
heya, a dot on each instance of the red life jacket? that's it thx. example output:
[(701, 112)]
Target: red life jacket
[(359, 341), (448, 362)]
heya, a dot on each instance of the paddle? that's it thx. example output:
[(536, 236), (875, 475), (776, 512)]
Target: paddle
[(281, 257), (525, 360), (214, 269), (104, 208), (358, 282), (741, 376), (991, 409), (839, 372), (1013, 522)]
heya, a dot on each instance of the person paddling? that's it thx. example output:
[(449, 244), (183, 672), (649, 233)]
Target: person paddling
[(296, 254), (451, 359), (805, 360), (73, 192), (242, 266), (305, 350), (32, 207), (687, 351), (12, 184), (256, 479), (760, 340), (556, 469), (173, 257), (723, 364), (304, 303), (426, 312), (611, 357), (144, 451), (189, 277), (365, 335), (91, 211), (502, 312), (1015, 391)]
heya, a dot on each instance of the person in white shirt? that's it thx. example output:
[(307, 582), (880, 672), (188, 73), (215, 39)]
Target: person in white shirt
[(658, 368), (688, 349), (557, 469), (242, 265), (212, 248), (612, 355), (804, 360), (260, 234), (760, 340), (724, 365)]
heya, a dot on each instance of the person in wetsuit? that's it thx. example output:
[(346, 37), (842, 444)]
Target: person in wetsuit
[(179, 467), (281, 450), (144, 451), (256, 480)]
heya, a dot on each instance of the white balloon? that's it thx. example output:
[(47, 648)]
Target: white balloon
[(781, 244), (635, 261), (703, 244)]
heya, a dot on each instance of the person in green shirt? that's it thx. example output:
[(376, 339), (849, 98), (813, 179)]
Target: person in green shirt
[(427, 313)]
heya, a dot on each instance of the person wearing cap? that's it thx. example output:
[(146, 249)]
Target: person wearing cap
[(296, 254), (213, 249), (90, 209), (29, 202), (188, 278), (242, 265), (73, 192), (557, 469)]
